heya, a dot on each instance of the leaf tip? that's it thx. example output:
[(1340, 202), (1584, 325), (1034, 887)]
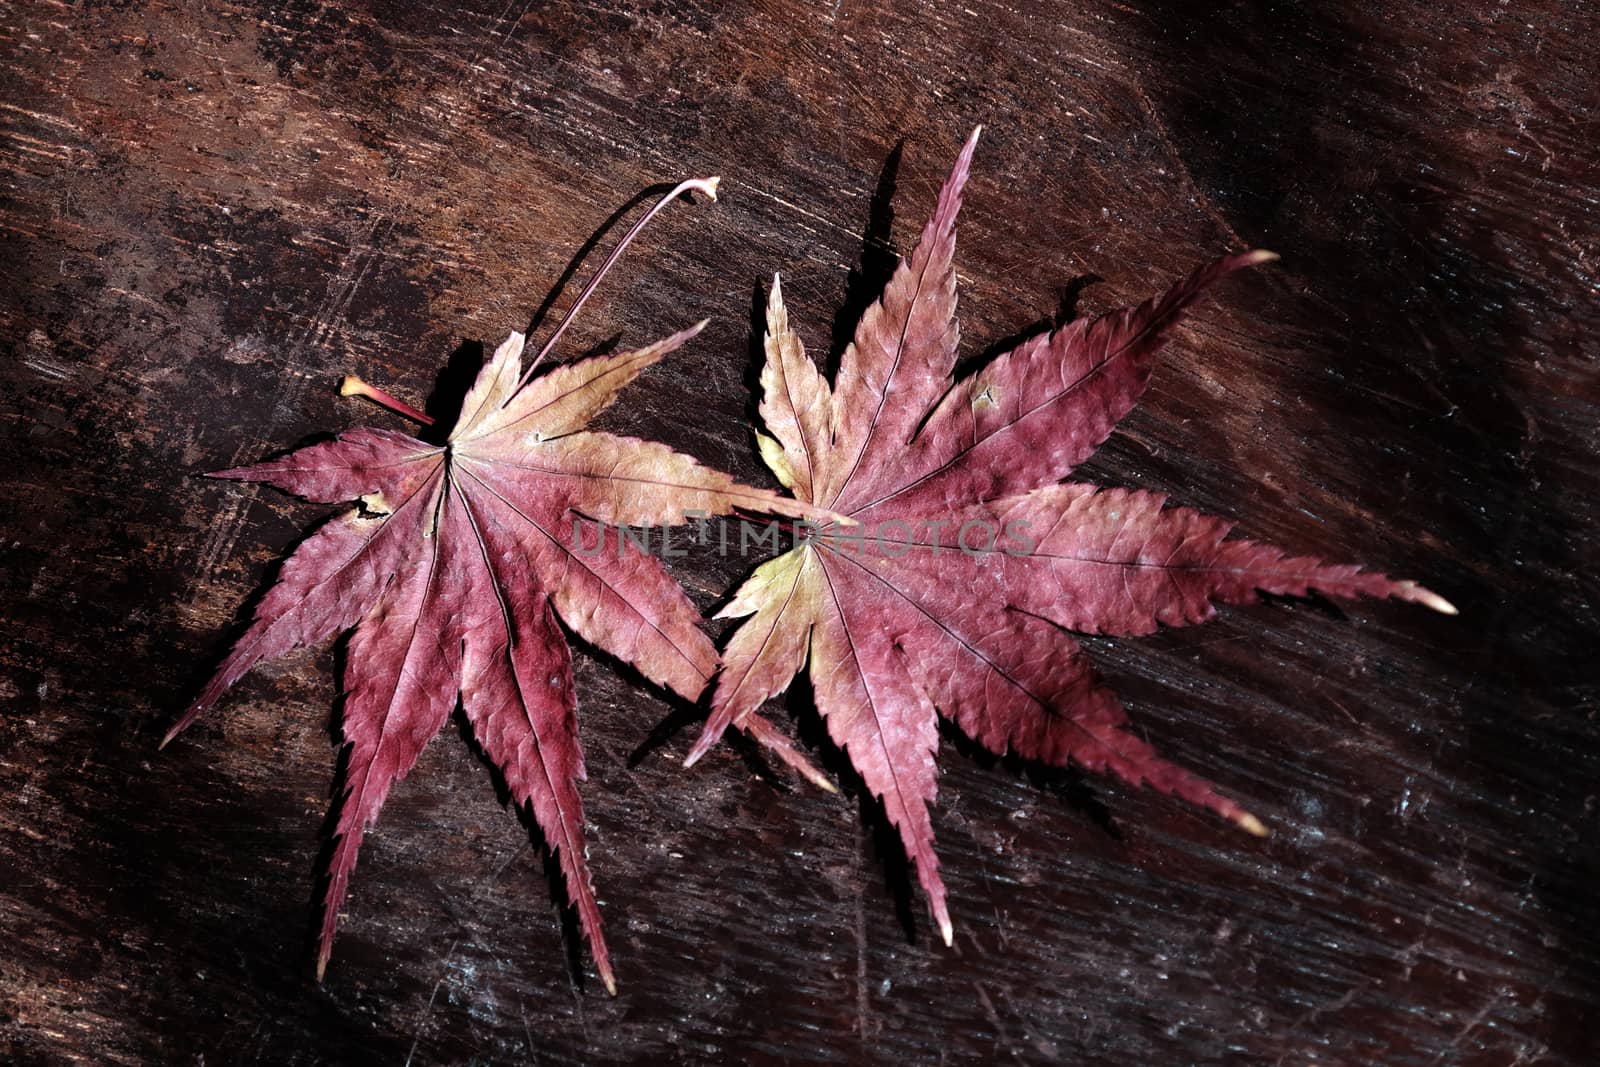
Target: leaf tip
[(178, 728), (1257, 257), (947, 931), (322, 967), (1250, 824), (1431, 600), (810, 773)]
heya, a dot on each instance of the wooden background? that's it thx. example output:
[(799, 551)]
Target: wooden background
[(211, 211)]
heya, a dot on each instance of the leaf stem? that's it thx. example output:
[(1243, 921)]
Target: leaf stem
[(708, 186), (353, 386)]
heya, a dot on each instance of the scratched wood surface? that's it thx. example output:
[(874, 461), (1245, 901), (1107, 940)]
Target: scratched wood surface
[(212, 211)]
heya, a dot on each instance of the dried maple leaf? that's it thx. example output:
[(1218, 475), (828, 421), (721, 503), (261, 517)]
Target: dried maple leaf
[(899, 625), (454, 573)]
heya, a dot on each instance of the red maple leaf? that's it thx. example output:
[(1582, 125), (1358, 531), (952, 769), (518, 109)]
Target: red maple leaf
[(972, 558), (455, 571)]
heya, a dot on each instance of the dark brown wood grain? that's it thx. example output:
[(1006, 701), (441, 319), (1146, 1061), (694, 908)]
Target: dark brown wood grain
[(210, 212)]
